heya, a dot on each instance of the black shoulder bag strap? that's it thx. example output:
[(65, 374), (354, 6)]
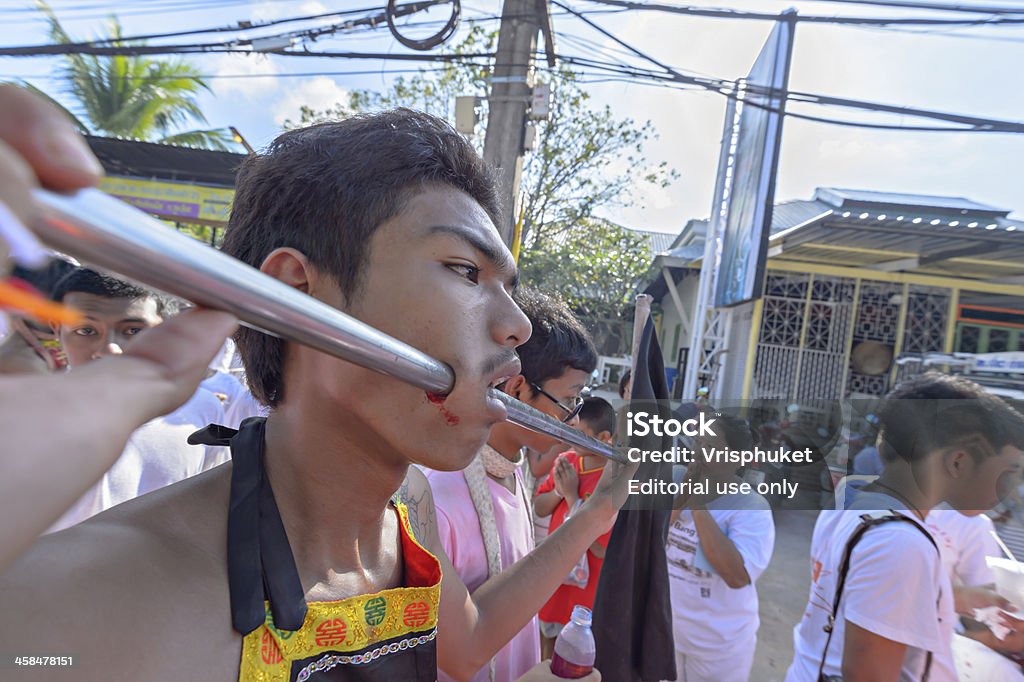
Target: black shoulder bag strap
[(867, 523)]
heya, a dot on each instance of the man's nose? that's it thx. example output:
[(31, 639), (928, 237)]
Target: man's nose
[(109, 348), (511, 326)]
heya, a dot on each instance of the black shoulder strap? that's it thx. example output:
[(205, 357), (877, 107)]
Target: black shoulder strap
[(261, 566), (867, 522)]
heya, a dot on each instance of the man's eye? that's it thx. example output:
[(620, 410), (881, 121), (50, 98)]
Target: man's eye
[(85, 331), (132, 331), (470, 272)]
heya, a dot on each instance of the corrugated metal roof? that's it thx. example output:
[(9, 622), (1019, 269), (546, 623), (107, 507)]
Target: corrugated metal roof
[(151, 160), (845, 198), (657, 242), (792, 213)]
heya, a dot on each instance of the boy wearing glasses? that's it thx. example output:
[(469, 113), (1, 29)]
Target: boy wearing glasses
[(483, 512)]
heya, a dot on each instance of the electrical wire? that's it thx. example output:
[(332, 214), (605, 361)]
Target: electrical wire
[(240, 26), (668, 76), (439, 38), (734, 89), (122, 46), (930, 6), (151, 8), (806, 18), (237, 76)]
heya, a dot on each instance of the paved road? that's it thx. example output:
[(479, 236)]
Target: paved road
[(782, 591)]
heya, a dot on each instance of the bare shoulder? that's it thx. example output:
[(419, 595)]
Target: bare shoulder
[(121, 589), (416, 495)]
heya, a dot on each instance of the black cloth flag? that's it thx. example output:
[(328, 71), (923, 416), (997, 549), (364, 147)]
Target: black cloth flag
[(632, 611)]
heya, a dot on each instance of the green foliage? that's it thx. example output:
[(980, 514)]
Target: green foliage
[(586, 159), (595, 266), (134, 97)]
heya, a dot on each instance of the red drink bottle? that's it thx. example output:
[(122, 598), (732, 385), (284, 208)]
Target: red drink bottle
[(574, 648)]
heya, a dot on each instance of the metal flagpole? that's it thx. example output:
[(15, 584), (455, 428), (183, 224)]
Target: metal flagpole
[(104, 231)]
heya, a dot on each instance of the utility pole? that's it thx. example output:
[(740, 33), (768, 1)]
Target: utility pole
[(511, 88)]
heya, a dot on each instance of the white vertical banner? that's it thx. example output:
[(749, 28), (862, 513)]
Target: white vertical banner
[(735, 253)]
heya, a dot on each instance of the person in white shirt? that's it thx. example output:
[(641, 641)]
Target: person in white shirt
[(718, 546), (943, 439), (965, 540), (157, 454), (235, 397), (236, 400)]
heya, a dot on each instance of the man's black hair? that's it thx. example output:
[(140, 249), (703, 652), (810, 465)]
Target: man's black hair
[(88, 281), (623, 380), (325, 189), (935, 411), (46, 277), (737, 432), (599, 415), (559, 342)]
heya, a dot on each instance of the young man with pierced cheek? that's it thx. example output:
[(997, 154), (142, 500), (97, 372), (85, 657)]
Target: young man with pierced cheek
[(295, 561)]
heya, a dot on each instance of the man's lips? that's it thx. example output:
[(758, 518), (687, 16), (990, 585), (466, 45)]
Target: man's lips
[(505, 372)]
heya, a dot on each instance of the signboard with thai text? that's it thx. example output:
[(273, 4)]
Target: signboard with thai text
[(174, 201)]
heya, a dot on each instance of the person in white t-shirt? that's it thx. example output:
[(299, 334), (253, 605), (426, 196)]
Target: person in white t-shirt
[(157, 454), (942, 439), (718, 546), (236, 400), (965, 539)]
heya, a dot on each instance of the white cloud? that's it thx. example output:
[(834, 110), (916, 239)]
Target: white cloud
[(268, 11), (320, 92), (246, 65)]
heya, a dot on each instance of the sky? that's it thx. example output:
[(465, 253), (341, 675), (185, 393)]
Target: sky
[(974, 71)]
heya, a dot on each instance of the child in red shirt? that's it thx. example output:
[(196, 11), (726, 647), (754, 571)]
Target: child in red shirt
[(573, 478)]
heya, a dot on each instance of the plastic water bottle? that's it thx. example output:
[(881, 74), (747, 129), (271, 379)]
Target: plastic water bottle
[(575, 649)]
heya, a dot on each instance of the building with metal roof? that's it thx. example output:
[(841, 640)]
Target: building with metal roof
[(191, 188), (856, 279)]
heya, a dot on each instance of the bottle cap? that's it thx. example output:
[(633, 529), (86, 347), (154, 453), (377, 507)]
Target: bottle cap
[(582, 615)]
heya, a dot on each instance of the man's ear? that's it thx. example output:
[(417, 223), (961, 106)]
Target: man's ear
[(955, 462), (290, 266), (516, 386), (605, 437)]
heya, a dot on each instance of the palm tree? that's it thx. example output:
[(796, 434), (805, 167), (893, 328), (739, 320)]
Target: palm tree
[(136, 97)]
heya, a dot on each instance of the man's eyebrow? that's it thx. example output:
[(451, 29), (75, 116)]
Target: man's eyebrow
[(499, 259)]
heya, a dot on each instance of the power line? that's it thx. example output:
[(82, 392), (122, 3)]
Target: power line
[(150, 9), (656, 80), (670, 75), (121, 46), (732, 89), (234, 76), (930, 6), (240, 26), (806, 18)]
